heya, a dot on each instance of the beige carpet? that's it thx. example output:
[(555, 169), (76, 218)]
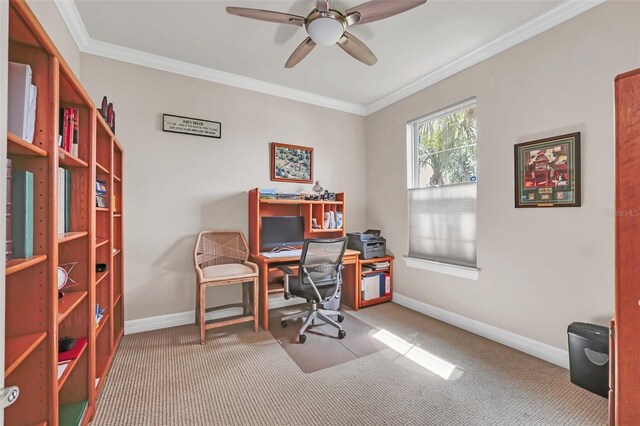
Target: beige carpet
[(243, 378)]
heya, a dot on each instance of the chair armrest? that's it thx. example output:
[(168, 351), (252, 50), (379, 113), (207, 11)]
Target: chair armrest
[(252, 266), (199, 274), (286, 270)]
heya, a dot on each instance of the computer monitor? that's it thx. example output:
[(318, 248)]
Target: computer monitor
[(282, 231)]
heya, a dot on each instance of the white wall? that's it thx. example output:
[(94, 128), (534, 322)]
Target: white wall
[(541, 269), (53, 23), (177, 185)]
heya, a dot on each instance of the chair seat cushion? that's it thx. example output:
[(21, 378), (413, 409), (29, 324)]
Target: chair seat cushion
[(227, 271)]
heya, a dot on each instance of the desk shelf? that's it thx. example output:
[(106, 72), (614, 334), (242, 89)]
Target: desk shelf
[(361, 303)]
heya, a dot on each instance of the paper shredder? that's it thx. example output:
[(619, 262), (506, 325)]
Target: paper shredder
[(589, 357)]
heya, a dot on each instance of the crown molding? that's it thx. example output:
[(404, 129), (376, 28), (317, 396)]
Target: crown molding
[(86, 44), (538, 25), (74, 22)]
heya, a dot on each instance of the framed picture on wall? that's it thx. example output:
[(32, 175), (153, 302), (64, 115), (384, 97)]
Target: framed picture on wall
[(291, 163), (547, 172)]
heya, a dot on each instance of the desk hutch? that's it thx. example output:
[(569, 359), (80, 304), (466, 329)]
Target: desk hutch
[(271, 276)]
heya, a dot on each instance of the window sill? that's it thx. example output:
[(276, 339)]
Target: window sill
[(442, 268)]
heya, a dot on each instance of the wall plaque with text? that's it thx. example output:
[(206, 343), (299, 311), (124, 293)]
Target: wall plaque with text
[(191, 126)]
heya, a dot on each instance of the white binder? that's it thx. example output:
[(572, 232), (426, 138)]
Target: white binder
[(22, 96)]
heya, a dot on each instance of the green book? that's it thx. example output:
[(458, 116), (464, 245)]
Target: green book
[(71, 414), (22, 213)]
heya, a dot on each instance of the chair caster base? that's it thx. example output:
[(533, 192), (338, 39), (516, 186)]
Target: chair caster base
[(302, 338), (340, 318), (342, 334)]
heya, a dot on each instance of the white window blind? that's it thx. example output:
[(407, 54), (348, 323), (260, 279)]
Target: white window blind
[(442, 186), (442, 224)]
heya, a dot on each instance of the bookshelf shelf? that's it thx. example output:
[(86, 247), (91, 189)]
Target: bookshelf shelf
[(63, 184), (101, 276), (70, 236), (103, 321), (102, 209), (18, 348), (68, 302), (326, 230), (101, 241), (117, 252), (17, 265), (370, 302), (71, 366), (66, 159), (102, 168), (116, 215), (17, 146)]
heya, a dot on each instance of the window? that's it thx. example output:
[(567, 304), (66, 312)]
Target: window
[(442, 186)]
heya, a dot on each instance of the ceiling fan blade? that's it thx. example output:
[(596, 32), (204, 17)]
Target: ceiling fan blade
[(322, 5), (267, 15), (354, 47), (376, 10), (300, 53)]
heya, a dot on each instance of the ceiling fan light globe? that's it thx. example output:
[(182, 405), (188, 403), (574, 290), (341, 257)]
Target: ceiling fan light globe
[(325, 31)]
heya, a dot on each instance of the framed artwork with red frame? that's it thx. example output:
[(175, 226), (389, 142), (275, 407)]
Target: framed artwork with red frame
[(291, 163), (547, 172)]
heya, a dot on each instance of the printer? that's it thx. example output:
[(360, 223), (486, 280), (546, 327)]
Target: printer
[(369, 243)]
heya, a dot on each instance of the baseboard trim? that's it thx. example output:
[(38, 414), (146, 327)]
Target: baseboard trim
[(521, 343), (184, 318)]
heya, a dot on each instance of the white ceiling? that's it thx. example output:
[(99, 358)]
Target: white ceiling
[(409, 46)]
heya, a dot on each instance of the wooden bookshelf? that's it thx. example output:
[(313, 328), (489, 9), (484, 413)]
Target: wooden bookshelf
[(35, 316)]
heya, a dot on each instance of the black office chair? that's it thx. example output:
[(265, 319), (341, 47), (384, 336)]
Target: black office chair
[(319, 280)]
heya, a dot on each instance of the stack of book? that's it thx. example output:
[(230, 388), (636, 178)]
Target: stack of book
[(64, 200), (268, 194), (8, 195), (377, 266), (21, 213), (69, 129)]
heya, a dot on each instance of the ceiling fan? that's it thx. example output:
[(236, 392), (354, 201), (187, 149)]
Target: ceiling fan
[(327, 26)]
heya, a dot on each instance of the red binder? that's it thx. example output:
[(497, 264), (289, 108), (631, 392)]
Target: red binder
[(73, 352)]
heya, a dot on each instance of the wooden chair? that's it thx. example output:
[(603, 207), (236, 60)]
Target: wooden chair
[(220, 258)]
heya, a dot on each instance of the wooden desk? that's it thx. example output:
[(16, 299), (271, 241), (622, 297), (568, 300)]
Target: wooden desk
[(271, 280)]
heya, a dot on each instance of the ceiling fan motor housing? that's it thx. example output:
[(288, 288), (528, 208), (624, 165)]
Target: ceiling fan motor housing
[(325, 28)]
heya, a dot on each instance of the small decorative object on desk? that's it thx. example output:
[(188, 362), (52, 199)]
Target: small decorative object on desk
[(317, 188), (268, 194)]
